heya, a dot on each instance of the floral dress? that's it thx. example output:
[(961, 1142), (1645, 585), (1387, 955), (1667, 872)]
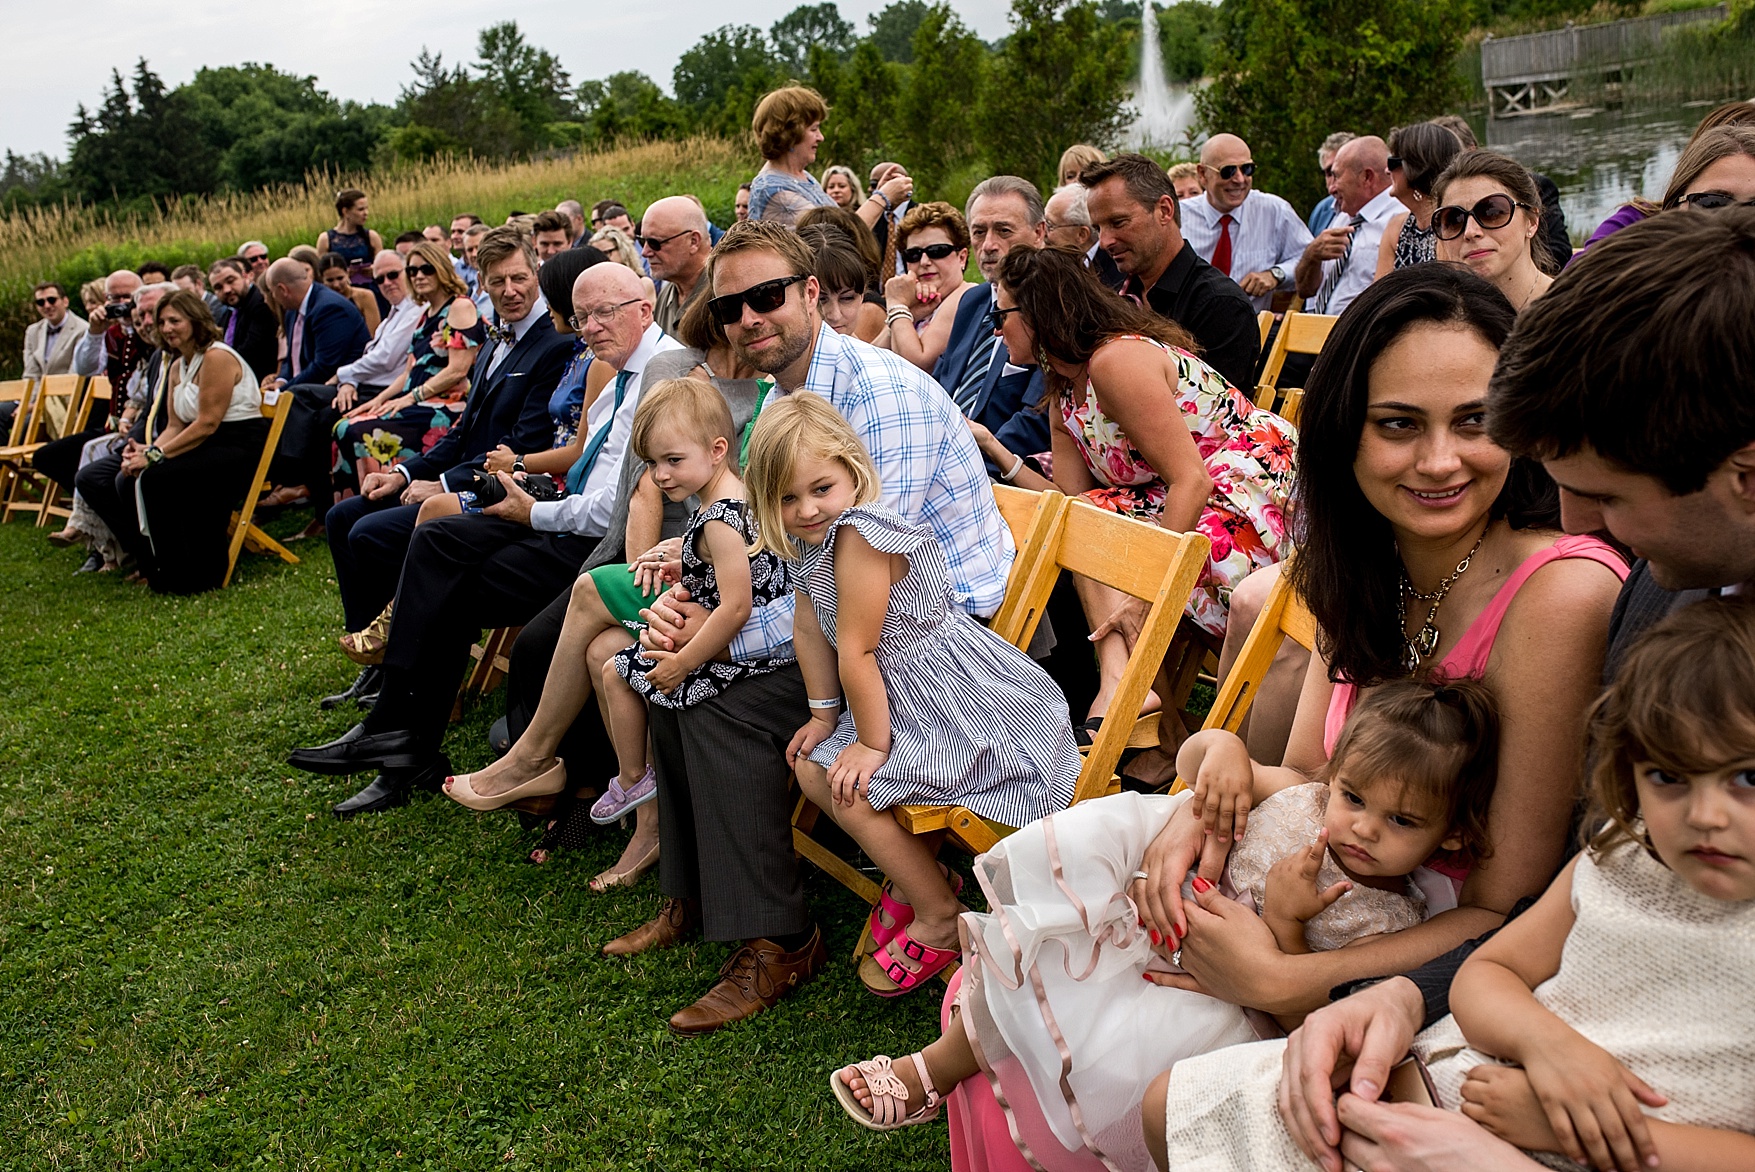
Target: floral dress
[(1247, 451), (365, 446), (768, 583)]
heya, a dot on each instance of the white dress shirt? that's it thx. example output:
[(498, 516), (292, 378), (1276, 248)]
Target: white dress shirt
[(1362, 266), (387, 353), (1265, 232), (587, 512), (520, 327)]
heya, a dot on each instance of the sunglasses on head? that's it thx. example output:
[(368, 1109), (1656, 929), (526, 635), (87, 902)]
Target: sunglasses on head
[(935, 251), (1229, 170), (1700, 201), (421, 271), (1493, 212), (763, 298)]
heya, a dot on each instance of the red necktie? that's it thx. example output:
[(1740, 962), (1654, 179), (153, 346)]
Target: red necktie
[(1222, 250)]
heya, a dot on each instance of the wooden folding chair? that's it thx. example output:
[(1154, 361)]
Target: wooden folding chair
[(1264, 322), (1032, 517), (245, 534), (1300, 333), (22, 478), (1283, 616), (17, 390), (491, 660), (97, 390)]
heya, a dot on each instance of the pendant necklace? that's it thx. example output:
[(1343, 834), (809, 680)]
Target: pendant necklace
[(1425, 641)]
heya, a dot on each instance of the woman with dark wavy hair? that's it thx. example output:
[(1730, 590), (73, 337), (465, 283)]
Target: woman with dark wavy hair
[(1424, 550), (1144, 428)]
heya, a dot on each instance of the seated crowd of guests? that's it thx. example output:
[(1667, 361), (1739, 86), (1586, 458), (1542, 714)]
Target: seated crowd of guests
[(736, 488)]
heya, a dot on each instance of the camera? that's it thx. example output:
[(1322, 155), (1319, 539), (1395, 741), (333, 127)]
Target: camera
[(481, 489), (117, 310)]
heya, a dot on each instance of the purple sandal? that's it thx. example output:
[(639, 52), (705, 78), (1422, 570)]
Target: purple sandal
[(617, 802)]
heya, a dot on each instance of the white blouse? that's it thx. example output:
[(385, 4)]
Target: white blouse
[(246, 392)]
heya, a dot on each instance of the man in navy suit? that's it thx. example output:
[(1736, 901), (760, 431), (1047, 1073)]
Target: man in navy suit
[(510, 385), (1004, 212), (323, 328)]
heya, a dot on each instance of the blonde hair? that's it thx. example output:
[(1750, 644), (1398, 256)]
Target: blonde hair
[(693, 404), (1077, 157), (1184, 171), (614, 244), (799, 425)]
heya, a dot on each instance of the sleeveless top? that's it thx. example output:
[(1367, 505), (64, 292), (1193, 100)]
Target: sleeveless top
[(246, 400), (433, 338), (1415, 245), (356, 249)]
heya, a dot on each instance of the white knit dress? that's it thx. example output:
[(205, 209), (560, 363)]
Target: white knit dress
[(1654, 972)]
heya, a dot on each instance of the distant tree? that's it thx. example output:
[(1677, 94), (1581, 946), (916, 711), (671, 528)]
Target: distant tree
[(31, 179), (1186, 33), (446, 110), (1359, 64), (139, 145), (720, 78), (808, 26), (937, 129), (271, 127), (527, 80), (1061, 77), (630, 105), (864, 96), (892, 30)]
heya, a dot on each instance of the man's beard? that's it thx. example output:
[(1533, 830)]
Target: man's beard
[(777, 358)]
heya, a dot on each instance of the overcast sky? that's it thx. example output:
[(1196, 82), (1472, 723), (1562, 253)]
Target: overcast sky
[(358, 49)]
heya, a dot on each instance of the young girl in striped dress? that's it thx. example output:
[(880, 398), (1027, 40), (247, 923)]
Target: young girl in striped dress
[(938, 710)]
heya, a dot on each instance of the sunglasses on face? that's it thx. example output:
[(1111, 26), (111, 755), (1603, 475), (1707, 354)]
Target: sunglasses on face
[(997, 316), (259, 258), (1328, 172), (1395, 163), (935, 251), (1493, 212), (763, 298), (656, 242), (1700, 201), (392, 275), (45, 302), (602, 315), (1229, 170), (421, 271)]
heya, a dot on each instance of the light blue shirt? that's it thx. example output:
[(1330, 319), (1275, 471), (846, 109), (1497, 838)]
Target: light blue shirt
[(1265, 232)]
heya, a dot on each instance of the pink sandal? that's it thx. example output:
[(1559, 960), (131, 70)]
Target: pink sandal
[(889, 1095), (932, 962), (900, 914)]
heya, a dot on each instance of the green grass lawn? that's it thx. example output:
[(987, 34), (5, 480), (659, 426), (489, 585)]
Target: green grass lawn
[(200, 967)]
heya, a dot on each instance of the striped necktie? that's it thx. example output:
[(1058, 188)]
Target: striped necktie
[(975, 371), (1329, 283)]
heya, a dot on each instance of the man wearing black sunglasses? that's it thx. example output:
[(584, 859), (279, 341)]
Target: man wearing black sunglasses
[(48, 342), (675, 246), (1252, 237), (724, 805)]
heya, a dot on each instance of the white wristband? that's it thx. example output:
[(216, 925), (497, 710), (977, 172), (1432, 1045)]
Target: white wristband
[(1017, 467), (835, 703)]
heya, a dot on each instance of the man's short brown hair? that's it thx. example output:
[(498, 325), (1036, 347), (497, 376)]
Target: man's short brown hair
[(60, 290), (1641, 350), (553, 222), (764, 236), (498, 244), (1145, 181)]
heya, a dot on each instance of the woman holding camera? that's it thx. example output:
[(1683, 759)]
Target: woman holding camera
[(176, 491)]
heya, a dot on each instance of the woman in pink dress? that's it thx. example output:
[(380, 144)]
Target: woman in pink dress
[(1143, 427), (1424, 550)]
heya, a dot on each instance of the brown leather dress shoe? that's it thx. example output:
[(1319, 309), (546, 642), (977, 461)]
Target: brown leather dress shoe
[(677, 920), (756, 977)]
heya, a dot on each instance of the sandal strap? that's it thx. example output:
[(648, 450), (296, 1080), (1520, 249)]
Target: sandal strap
[(932, 1095), (930, 959), (889, 1094)]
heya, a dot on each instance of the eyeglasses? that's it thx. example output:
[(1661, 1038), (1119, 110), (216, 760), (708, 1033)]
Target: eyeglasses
[(1493, 212), (1700, 201), (657, 242), (1395, 163), (935, 251), (603, 314), (45, 302), (421, 271), (763, 298), (1231, 169)]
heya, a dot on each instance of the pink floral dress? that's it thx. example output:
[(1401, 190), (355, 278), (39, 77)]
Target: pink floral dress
[(1247, 451)]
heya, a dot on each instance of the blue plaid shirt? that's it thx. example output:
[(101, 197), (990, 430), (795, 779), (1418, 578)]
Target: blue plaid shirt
[(931, 470)]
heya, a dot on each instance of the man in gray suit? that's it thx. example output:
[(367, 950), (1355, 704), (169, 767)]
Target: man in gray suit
[(48, 343)]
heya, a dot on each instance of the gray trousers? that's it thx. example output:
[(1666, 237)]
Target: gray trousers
[(725, 809)]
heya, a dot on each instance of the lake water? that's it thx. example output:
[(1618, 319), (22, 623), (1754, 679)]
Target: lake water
[(1599, 158)]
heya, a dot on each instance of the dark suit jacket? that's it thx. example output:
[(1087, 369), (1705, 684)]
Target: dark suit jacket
[(257, 336), (509, 407), (335, 334), (1006, 404), (1212, 307)]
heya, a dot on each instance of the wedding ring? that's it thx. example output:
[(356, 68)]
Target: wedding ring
[(1138, 875), (1176, 958)]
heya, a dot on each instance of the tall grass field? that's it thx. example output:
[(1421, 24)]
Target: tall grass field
[(77, 244)]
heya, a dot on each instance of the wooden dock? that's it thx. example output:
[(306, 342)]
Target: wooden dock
[(1529, 74)]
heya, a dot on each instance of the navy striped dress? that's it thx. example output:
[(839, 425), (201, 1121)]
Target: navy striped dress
[(973, 721)]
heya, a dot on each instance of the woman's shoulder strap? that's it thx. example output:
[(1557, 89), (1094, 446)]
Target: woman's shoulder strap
[(1470, 655)]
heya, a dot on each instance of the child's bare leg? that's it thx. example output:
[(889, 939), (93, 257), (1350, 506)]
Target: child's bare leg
[(950, 1061), (443, 505), (908, 861), (1154, 1120), (569, 686), (627, 725)]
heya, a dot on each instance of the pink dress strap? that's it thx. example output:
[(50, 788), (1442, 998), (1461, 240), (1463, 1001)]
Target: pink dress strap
[(1469, 656)]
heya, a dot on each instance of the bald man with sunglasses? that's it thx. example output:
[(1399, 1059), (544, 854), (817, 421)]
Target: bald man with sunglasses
[(1252, 237)]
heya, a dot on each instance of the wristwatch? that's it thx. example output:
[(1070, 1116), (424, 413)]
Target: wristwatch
[(154, 455), (1277, 273), (517, 465)]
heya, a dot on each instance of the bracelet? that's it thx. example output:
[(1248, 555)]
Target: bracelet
[(878, 194), (835, 703), (154, 455), (897, 311), (1017, 467)]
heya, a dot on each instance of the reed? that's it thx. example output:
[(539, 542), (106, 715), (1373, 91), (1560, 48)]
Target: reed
[(74, 244)]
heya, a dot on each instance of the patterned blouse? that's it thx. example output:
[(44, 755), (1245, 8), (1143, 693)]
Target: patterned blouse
[(431, 347), (780, 198)]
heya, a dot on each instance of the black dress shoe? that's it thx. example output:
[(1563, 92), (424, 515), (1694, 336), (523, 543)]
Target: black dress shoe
[(357, 750), (93, 563), (500, 738), (366, 683), (393, 787)]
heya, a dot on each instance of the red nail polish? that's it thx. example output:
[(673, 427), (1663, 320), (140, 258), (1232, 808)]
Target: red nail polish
[(1156, 939), (1201, 885), (1147, 978)]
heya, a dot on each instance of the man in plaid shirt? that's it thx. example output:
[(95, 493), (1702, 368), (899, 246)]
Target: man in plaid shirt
[(725, 806)]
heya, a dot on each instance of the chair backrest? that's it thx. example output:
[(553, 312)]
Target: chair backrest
[(1300, 333), (18, 390), (1138, 559), (97, 390), (275, 412), (1264, 324), (1031, 517), (58, 389), (1284, 616)]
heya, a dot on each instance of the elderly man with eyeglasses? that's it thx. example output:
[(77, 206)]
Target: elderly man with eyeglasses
[(1251, 236), (674, 242), (499, 566)]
